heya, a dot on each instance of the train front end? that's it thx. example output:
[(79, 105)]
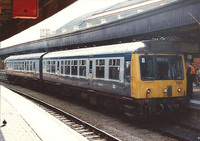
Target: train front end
[(158, 81)]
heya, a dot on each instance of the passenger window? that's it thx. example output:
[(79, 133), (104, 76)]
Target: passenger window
[(22, 65), (62, 67), (67, 67), (31, 66), (34, 66), (114, 69), (74, 67), (27, 67), (53, 66), (90, 66), (48, 66), (100, 67), (44, 66), (58, 66), (82, 67), (16, 66)]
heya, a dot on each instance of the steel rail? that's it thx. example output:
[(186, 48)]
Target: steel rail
[(97, 134)]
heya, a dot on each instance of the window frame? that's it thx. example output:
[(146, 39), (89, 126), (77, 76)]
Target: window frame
[(74, 65), (82, 65)]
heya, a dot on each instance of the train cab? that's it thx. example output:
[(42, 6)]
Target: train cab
[(158, 75), (147, 73)]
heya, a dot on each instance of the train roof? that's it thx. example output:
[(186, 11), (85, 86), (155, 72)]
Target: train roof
[(25, 56), (125, 48), (151, 46)]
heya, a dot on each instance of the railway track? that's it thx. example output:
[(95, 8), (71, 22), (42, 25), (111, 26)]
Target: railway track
[(175, 129), (3, 77), (87, 130)]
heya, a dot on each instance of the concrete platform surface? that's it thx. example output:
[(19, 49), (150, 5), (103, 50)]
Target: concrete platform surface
[(28, 122), (195, 100)]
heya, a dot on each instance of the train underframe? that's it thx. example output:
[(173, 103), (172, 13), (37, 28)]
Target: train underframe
[(142, 108)]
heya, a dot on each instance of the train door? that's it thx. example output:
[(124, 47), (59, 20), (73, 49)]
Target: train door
[(25, 66), (90, 73), (127, 75), (34, 68)]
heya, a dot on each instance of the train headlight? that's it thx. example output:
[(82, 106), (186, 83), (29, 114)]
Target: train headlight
[(179, 89), (148, 91), (165, 90)]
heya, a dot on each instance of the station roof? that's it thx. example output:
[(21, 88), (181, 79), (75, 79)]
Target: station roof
[(113, 13)]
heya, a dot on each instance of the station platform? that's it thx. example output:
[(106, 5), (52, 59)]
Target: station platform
[(195, 100), (28, 122)]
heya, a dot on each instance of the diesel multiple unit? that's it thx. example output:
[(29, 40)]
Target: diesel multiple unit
[(149, 73)]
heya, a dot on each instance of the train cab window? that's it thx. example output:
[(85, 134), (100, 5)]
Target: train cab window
[(67, 67), (114, 69), (74, 66), (161, 67), (82, 67), (62, 67), (176, 68), (53, 67), (100, 67), (147, 68)]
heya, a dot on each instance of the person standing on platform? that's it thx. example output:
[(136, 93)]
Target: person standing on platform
[(190, 71)]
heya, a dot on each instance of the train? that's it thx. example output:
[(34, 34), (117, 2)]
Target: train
[(140, 74)]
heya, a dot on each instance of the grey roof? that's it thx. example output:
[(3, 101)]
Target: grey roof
[(125, 48), (124, 4), (25, 56), (103, 50), (113, 13), (77, 22), (148, 46)]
